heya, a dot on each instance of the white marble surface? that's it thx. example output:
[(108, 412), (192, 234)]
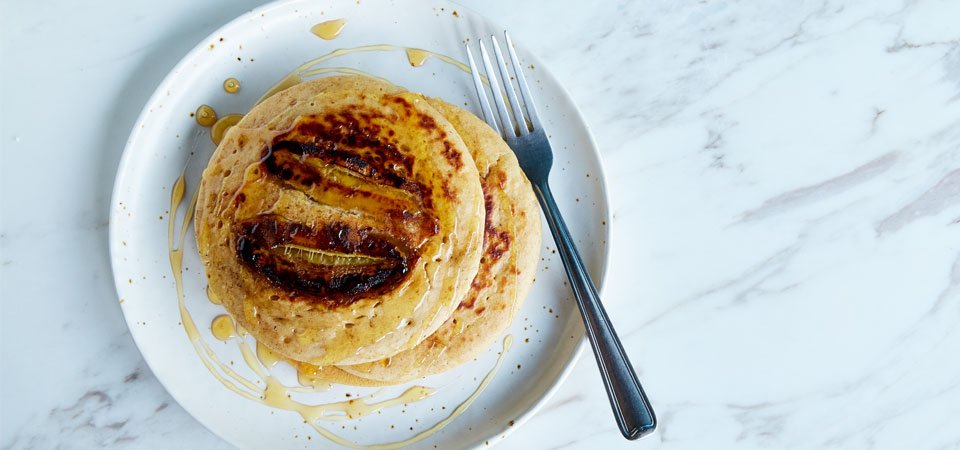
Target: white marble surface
[(785, 185)]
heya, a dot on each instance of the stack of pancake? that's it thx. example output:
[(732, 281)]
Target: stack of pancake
[(368, 234)]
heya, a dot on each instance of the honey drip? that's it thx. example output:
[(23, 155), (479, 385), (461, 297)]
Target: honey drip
[(222, 372), (266, 356), (328, 30), (417, 56), (219, 129), (307, 69), (213, 297), (308, 378), (290, 80)]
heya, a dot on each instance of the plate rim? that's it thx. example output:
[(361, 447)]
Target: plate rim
[(126, 157)]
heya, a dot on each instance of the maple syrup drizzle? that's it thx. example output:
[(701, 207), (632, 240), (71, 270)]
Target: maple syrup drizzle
[(272, 392), (297, 76)]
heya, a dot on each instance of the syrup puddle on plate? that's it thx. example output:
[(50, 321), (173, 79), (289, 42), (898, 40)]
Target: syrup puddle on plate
[(328, 30)]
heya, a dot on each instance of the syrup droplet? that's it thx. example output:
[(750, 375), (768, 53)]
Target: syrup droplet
[(222, 327), (213, 297), (206, 116), (231, 85)]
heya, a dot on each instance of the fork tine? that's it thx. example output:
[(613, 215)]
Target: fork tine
[(508, 88), (505, 119), (522, 82), (481, 92)]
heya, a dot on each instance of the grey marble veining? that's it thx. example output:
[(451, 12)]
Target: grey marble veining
[(784, 176)]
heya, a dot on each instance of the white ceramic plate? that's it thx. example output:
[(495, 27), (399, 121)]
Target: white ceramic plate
[(259, 48)]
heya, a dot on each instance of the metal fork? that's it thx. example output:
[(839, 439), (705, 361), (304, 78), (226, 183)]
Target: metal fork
[(525, 135)]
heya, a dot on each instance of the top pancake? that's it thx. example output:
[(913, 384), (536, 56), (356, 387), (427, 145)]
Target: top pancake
[(341, 220)]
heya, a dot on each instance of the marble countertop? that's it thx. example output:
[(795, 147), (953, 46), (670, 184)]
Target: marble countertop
[(785, 181)]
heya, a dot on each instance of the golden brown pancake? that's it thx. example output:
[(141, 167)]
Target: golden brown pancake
[(511, 248), (341, 221)]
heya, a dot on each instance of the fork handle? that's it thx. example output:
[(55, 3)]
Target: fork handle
[(630, 405)]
